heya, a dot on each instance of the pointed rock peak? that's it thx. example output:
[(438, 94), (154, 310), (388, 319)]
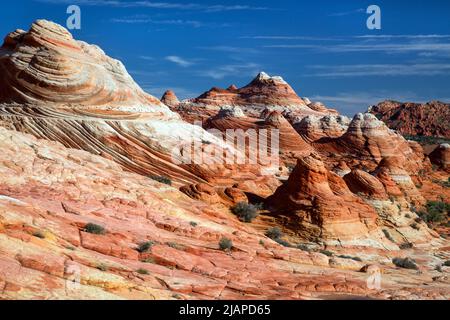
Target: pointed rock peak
[(275, 118), (233, 87), (170, 99), (366, 121), (264, 77)]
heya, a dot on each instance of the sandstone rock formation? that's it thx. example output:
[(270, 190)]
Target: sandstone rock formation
[(170, 99), (57, 88), (312, 128), (441, 156), (261, 92), (367, 141), (321, 207), (415, 119), (49, 193)]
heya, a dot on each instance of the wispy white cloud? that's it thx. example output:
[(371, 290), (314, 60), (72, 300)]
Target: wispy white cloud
[(385, 70), (221, 72), (281, 37), (230, 49), (404, 36), (157, 5), (179, 61), (347, 13), (438, 48)]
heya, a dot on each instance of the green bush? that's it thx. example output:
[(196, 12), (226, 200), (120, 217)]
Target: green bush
[(225, 244), (406, 263), (162, 179), (193, 224), (145, 246), (388, 235), (94, 228), (327, 253), (245, 212), (446, 263), (436, 212), (405, 246), (282, 242), (142, 271), (350, 258), (274, 233)]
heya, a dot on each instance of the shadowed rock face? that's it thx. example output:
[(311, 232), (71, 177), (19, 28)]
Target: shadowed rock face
[(427, 119), (441, 156), (57, 88)]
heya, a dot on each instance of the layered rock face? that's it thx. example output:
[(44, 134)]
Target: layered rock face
[(322, 207), (48, 194), (260, 93), (57, 88), (367, 141), (415, 119), (170, 99), (441, 156), (313, 128)]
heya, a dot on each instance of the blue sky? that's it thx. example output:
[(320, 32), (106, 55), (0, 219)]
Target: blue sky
[(322, 48)]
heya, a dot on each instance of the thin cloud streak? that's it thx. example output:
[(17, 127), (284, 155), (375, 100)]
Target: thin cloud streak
[(179, 61), (156, 5), (384, 70)]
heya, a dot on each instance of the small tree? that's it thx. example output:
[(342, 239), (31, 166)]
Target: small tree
[(274, 233)]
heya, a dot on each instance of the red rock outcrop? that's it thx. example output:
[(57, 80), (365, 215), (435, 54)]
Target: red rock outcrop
[(441, 156), (320, 205), (170, 99), (367, 141), (260, 93), (397, 181), (415, 119), (361, 182)]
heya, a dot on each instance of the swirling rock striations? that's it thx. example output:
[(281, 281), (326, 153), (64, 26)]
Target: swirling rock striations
[(57, 88), (263, 91), (441, 156), (320, 206)]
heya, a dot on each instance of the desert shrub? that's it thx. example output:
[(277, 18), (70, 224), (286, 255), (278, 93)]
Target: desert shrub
[(148, 260), (245, 212), (388, 235), (175, 245), (39, 234), (326, 252), (415, 226), (193, 224), (303, 247), (406, 263), (162, 179), (274, 233), (94, 228), (405, 246), (436, 212), (408, 216), (145, 246), (282, 242), (102, 267), (142, 271), (350, 258), (225, 244), (446, 263)]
